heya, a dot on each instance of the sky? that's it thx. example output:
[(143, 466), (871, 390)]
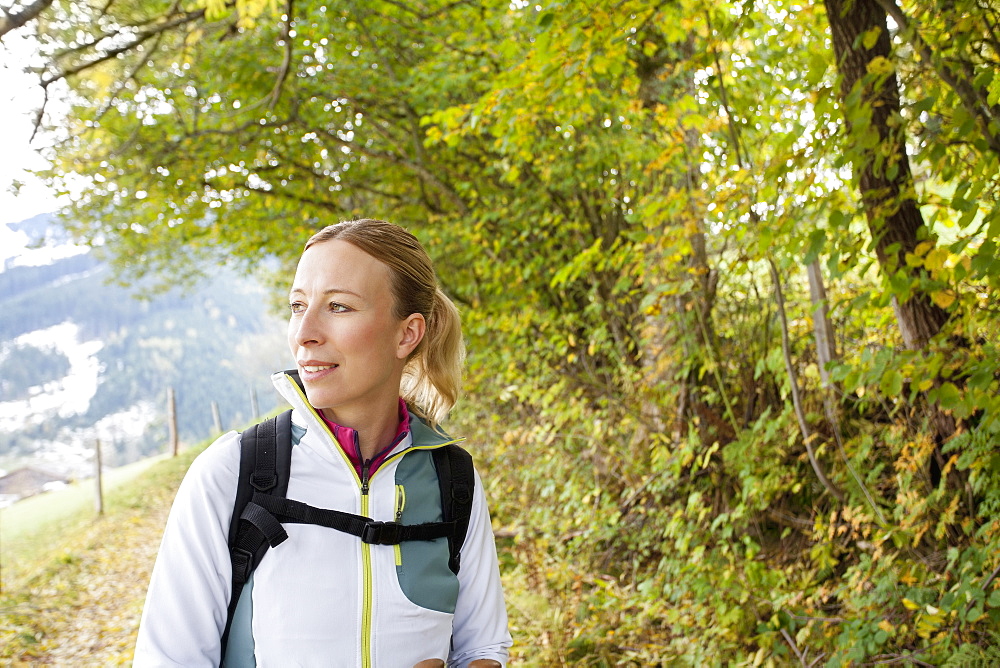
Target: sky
[(20, 97)]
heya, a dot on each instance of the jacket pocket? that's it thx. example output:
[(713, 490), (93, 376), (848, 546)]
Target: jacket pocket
[(422, 565)]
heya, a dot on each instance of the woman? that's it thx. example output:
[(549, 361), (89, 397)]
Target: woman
[(378, 349)]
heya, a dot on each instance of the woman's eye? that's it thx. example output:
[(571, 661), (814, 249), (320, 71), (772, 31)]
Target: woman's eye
[(338, 308), (296, 307)]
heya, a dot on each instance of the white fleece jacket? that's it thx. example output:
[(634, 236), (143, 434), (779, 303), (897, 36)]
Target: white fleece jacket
[(321, 598)]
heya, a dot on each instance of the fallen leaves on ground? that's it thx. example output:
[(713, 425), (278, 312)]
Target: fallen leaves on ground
[(84, 608)]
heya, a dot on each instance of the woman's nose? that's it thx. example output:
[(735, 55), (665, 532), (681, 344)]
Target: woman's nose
[(307, 329)]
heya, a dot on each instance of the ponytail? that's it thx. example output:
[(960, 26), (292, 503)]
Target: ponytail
[(432, 377)]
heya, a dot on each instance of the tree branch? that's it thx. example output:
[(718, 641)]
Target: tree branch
[(9, 22), (286, 195), (408, 7), (791, 643), (807, 436), (141, 38), (286, 62), (399, 157)]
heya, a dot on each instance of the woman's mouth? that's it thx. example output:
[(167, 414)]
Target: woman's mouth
[(315, 368), (312, 370)]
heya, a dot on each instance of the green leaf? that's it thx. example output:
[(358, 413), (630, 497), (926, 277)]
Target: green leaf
[(817, 239), (948, 396), (892, 383)]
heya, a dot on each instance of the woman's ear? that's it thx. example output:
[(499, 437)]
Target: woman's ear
[(411, 331)]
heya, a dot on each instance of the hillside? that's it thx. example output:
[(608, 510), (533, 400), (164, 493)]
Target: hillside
[(77, 600), (82, 358)]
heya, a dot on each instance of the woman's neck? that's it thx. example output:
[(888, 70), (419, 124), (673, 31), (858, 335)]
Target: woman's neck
[(375, 429)]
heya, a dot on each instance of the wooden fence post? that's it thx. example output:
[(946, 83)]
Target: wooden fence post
[(98, 482), (172, 420), (216, 418)]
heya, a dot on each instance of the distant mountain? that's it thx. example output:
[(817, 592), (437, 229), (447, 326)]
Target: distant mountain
[(81, 358)]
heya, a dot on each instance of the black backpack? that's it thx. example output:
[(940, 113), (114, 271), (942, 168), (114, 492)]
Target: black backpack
[(261, 505)]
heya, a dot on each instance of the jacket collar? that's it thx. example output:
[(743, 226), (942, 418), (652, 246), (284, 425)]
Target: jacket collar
[(289, 385)]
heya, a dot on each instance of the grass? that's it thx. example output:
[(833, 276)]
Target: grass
[(31, 528), (73, 582)]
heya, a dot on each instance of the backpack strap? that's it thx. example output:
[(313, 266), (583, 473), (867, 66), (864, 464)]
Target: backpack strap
[(271, 510), (265, 463), (456, 478)]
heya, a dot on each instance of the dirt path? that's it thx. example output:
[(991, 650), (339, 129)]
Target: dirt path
[(85, 611)]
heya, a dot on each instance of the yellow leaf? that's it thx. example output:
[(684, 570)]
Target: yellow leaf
[(880, 65), (944, 298), (871, 37), (886, 626), (936, 258), (910, 605)]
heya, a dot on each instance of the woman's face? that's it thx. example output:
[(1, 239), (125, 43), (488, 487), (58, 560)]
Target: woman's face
[(348, 344)]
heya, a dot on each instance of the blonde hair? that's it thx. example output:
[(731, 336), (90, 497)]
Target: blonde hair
[(432, 377)]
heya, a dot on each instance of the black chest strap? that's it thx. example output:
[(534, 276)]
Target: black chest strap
[(266, 514)]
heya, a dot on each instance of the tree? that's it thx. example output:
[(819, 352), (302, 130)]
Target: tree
[(870, 94)]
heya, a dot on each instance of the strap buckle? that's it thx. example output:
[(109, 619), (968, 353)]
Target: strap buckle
[(242, 565), (380, 533)]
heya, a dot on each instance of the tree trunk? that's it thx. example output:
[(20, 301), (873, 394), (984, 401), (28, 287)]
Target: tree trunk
[(894, 220), (826, 343), (793, 382), (689, 325), (886, 182), (172, 421)]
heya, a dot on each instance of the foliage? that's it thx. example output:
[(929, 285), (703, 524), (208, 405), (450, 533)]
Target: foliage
[(616, 196)]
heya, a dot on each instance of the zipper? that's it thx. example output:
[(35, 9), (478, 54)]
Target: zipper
[(400, 504), (366, 562), (366, 597), (366, 466)]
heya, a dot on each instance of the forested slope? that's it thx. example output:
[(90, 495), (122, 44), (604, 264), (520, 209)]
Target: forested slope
[(728, 272), (66, 329)]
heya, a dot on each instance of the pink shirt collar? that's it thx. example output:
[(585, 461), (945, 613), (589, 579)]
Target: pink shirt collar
[(347, 438)]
